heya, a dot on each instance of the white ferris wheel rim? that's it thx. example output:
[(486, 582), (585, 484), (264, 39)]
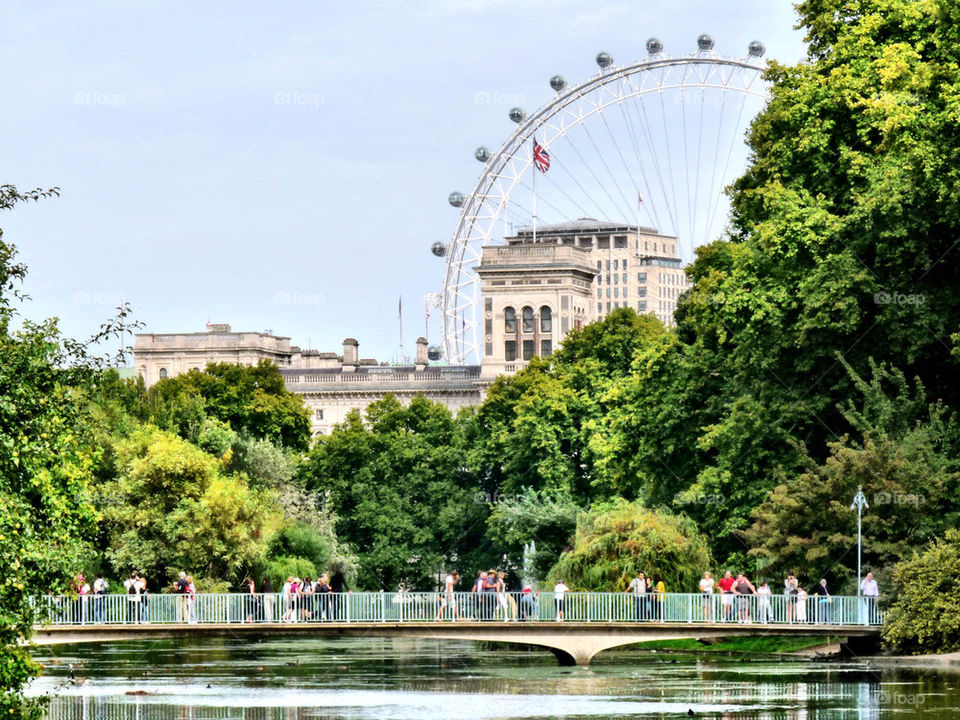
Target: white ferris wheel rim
[(483, 203)]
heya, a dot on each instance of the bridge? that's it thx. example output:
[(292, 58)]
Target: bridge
[(590, 622)]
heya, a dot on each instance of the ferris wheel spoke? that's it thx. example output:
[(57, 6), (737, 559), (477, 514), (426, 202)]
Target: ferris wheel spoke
[(715, 198), (696, 177), (626, 165), (613, 177), (596, 179), (726, 164), (576, 181), (640, 163), (645, 125)]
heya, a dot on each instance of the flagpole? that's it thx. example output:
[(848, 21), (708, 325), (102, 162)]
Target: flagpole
[(533, 168), (400, 318)]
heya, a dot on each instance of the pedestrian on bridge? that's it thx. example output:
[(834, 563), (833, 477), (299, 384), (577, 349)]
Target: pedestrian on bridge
[(823, 602), (133, 585), (790, 587), (764, 611), (488, 595), (180, 588), (528, 605), (726, 596), (322, 593), (870, 592), (559, 595), (269, 600), (706, 592), (191, 600), (638, 586), (659, 597), (744, 590), (448, 599)]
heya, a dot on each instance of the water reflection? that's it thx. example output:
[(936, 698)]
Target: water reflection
[(404, 678)]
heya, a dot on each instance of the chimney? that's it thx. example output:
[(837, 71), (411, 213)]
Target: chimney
[(422, 359), (351, 354)]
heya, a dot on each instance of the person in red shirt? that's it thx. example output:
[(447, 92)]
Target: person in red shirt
[(726, 595)]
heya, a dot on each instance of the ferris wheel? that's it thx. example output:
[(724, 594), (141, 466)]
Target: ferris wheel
[(653, 143)]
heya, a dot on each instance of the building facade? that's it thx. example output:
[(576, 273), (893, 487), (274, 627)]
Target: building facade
[(160, 355), (330, 384), (536, 289)]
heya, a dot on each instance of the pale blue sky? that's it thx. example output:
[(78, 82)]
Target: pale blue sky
[(286, 165)]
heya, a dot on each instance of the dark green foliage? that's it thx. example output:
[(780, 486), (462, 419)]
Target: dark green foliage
[(405, 501), (305, 542), (541, 522), (251, 399)]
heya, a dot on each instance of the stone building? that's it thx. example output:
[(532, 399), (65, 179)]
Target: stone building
[(331, 385), (535, 290), (160, 355)]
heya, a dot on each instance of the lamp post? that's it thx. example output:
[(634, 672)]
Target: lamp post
[(859, 502)]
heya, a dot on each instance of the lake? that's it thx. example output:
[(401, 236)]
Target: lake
[(401, 679)]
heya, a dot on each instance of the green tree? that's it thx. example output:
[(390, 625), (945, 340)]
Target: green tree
[(615, 541), (252, 399), (45, 466), (540, 522), (405, 500), (543, 428), (906, 465), (170, 508), (925, 617)]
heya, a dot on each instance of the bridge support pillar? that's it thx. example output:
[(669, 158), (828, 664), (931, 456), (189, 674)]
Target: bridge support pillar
[(571, 659)]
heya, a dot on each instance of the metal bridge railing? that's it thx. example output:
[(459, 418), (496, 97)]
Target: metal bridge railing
[(367, 607)]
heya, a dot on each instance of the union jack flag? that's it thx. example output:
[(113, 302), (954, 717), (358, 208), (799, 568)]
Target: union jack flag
[(541, 158)]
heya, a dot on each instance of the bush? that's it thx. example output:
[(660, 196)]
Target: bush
[(615, 541), (925, 618), (302, 541), (279, 569)]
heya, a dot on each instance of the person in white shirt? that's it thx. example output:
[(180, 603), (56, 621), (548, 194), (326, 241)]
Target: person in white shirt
[(559, 591), (99, 601), (870, 592), (132, 586), (764, 610), (448, 599), (801, 605), (638, 586), (706, 590)]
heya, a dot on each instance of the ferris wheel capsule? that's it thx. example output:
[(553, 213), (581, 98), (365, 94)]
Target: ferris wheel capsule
[(654, 46), (604, 60), (434, 353), (558, 83), (455, 198), (481, 154), (517, 114), (438, 249), (705, 43), (756, 49)]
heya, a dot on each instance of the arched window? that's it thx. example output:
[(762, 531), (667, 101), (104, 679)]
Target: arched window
[(163, 373), (546, 320), (510, 320), (529, 325)]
